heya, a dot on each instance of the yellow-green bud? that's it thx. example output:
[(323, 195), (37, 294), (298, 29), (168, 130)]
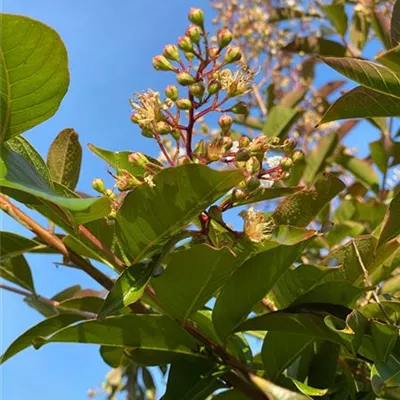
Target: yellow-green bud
[(185, 44), (138, 159), (160, 63), (176, 134), (184, 104), (225, 122), (171, 52), (286, 163), (200, 147), (194, 33), (134, 119), (196, 16), (171, 92), (189, 56), (185, 79), (297, 156), (289, 145), (147, 132), (228, 142), (163, 128), (238, 194), (233, 54), (224, 38), (253, 165), (242, 155), (214, 87), (252, 183), (197, 89), (240, 108), (244, 141), (98, 185), (213, 52)]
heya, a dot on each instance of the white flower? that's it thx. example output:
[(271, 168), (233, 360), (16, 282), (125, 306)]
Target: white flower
[(235, 146), (255, 226), (273, 161), (149, 179), (236, 83)]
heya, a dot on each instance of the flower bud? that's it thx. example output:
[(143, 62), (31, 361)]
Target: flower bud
[(185, 79), (138, 159), (171, 52), (238, 194), (126, 181), (171, 92), (232, 54), (189, 56), (200, 147), (252, 183), (289, 145), (185, 44), (197, 89), (240, 108), (213, 52), (214, 87), (224, 38), (244, 141), (162, 128), (147, 132), (194, 33), (242, 155), (134, 119), (298, 156), (274, 140), (253, 165), (110, 194), (228, 142), (184, 104), (176, 134), (225, 122), (98, 185), (196, 16), (286, 163), (160, 63)]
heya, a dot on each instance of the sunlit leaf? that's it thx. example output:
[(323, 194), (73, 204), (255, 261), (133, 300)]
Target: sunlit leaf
[(16, 270), (391, 228), (279, 120)]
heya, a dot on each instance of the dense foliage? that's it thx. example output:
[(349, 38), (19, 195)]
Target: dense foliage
[(310, 277)]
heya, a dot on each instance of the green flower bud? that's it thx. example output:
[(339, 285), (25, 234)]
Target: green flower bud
[(171, 92), (213, 52), (194, 33), (253, 165), (184, 104), (160, 63), (98, 185), (171, 52), (185, 44), (214, 87), (197, 89), (286, 163), (225, 122), (224, 38), (233, 54), (200, 147), (138, 159), (298, 156), (244, 141), (134, 119), (147, 132), (242, 155), (163, 128), (289, 145), (240, 108), (252, 183), (227, 142), (189, 56), (196, 16), (185, 79), (238, 194)]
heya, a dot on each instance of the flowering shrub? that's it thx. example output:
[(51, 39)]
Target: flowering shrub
[(312, 278)]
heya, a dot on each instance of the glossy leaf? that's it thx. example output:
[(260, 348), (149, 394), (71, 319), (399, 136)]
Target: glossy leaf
[(64, 158), (391, 227), (279, 121), (34, 77), (16, 270), (150, 216), (13, 245)]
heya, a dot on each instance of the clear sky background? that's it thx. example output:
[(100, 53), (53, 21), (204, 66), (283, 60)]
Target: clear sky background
[(110, 46)]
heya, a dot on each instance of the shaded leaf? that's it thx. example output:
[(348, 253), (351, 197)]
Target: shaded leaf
[(316, 45), (379, 156), (395, 25), (113, 356), (391, 228), (391, 59), (16, 270), (67, 293), (384, 338), (337, 16), (87, 303), (381, 25), (294, 97), (359, 30), (13, 245)]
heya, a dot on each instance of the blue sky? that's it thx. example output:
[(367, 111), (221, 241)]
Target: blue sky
[(110, 46)]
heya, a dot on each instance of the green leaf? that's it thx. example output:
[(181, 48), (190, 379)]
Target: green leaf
[(381, 25), (302, 207), (341, 231), (308, 390), (64, 158), (316, 45), (128, 288), (294, 97), (362, 102), (150, 216), (192, 277), (142, 332), (374, 310), (280, 119), (279, 350), (361, 170), (337, 16), (379, 156), (67, 293), (16, 270), (250, 284), (17, 173), (385, 378), (13, 245), (113, 356), (359, 30), (391, 228), (87, 303), (369, 74), (316, 159), (391, 59), (233, 394), (384, 338), (395, 25), (275, 392), (44, 329), (34, 74)]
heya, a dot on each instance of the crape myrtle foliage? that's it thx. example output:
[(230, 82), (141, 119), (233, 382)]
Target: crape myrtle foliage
[(312, 275)]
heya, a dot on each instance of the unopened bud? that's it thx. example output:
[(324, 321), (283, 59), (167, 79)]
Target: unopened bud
[(134, 119), (289, 145), (185, 44), (213, 52), (184, 104), (176, 134), (196, 16), (147, 132), (171, 52), (162, 128), (228, 142), (138, 159), (233, 54), (242, 155), (197, 89), (252, 183), (253, 165), (160, 63), (286, 163), (189, 56), (239, 108), (225, 122), (214, 87), (244, 141), (224, 38), (194, 33), (171, 92), (185, 79), (297, 156), (238, 194), (98, 185), (200, 147)]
